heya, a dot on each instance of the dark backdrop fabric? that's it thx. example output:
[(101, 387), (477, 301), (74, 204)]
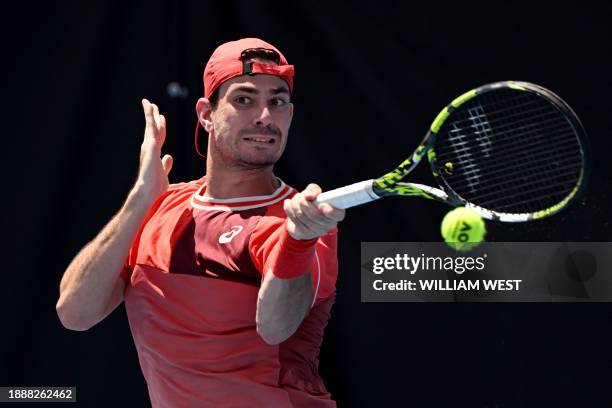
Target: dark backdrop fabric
[(370, 77)]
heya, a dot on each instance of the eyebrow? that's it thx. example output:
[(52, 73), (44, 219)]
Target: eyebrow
[(255, 91), (279, 90)]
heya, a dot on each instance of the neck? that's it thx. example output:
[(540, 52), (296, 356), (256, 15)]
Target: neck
[(233, 183)]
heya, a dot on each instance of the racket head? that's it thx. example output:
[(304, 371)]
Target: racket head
[(513, 151)]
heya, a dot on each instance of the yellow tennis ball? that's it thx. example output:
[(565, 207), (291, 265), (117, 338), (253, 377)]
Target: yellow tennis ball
[(463, 229)]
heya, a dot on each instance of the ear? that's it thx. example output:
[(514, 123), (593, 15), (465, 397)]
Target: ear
[(203, 110)]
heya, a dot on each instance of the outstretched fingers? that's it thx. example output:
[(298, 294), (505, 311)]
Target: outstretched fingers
[(147, 108), (155, 130)]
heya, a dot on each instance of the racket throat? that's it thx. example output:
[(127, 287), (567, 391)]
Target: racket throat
[(412, 190)]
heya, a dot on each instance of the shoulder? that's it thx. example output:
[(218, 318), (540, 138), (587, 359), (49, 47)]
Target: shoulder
[(187, 186), (180, 191), (176, 197)]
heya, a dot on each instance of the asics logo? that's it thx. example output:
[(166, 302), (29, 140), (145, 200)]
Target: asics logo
[(228, 236)]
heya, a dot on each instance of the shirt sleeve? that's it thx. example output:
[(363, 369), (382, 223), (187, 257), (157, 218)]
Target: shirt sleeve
[(126, 272), (272, 248), (130, 262)]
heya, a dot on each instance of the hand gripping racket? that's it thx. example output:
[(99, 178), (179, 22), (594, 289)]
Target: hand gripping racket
[(512, 151)]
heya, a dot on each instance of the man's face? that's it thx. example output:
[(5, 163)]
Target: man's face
[(251, 121)]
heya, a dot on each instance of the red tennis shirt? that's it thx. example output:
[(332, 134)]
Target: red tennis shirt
[(192, 279)]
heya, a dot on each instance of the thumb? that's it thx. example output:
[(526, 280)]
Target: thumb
[(167, 161)]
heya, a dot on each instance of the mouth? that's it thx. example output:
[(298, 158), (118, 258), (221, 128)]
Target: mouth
[(260, 139)]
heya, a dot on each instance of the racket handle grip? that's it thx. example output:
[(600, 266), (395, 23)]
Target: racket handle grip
[(349, 196)]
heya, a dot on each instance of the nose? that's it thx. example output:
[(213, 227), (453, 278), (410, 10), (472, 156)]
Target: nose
[(264, 117)]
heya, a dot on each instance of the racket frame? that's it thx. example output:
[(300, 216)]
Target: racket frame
[(390, 184)]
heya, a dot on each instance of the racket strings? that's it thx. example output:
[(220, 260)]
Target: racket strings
[(524, 189), (546, 171), (512, 204), (456, 138), (536, 184), (509, 127), (464, 153), (542, 153), (465, 160), (510, 150), (529, 187), (508, 130), (505, 117)]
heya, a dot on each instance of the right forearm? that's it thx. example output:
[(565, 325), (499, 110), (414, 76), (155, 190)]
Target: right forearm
[(90, 279), (91, 286)]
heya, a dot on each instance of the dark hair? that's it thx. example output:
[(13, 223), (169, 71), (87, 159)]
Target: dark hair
[(214, 98)]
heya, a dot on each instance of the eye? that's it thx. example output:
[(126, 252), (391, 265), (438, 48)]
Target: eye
[(277, 102), (242, 100)]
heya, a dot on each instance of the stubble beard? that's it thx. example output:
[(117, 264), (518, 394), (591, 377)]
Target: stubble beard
[(234, 156)]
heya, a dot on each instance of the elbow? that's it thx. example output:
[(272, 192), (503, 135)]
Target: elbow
[(276, 327), (274, 335), (70, 319)]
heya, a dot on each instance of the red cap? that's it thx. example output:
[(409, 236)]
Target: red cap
[(229, 60)]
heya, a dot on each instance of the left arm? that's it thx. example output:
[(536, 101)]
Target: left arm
[(286, 294)]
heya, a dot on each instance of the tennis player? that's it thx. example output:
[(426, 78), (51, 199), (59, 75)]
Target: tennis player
[(229, 279)]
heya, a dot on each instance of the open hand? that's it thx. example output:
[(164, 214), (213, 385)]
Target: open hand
[(153, 172)]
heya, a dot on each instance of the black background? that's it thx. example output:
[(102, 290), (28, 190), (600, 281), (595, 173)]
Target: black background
[(369, 81)]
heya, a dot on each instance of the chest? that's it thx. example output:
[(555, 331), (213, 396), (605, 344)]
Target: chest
[(206, 243)]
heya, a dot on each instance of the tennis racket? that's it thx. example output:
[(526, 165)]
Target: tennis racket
[(511, 151)]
